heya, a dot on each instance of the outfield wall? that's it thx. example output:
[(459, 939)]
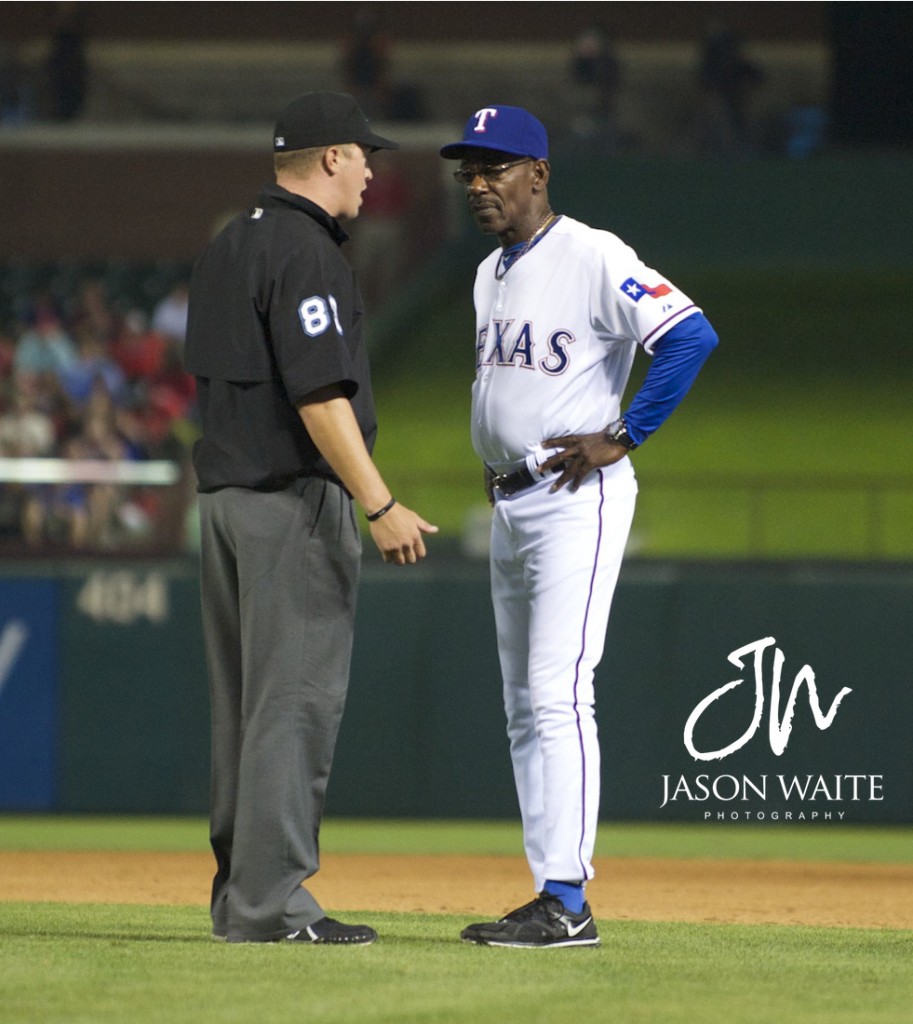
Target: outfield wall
[(103, 702)]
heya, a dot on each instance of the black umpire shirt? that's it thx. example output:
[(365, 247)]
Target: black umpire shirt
[(275, 314)]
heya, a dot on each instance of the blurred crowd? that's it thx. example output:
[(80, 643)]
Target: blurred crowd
[(724, 103), (82, 378)]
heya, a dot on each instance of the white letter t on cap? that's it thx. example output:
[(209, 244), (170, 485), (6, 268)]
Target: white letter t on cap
[(482, 116)]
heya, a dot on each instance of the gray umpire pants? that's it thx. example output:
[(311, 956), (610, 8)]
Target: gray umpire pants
[(279, 573)]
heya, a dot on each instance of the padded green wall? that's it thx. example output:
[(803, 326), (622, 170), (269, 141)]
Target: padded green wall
[(423, 734)]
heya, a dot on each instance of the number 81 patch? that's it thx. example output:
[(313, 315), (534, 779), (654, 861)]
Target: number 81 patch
[(316, 314)]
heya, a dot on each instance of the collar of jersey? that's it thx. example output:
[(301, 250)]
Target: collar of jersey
[(512, 253), (277, 196)]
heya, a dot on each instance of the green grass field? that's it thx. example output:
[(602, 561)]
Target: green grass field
[(107, 963), (886, 845)]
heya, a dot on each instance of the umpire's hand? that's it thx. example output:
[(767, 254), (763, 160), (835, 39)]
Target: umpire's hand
[(580, 454), (398, 535)]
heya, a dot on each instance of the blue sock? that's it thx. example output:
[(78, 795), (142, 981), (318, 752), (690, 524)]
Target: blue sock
[(570, 894)]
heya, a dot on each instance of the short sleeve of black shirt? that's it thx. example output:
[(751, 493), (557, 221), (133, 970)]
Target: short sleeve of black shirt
[(312, 314)]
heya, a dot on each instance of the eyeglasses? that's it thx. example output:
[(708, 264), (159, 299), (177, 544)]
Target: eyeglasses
[(492, 174)]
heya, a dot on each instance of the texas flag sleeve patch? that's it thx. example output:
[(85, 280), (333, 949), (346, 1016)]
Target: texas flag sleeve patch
[(636, 291)]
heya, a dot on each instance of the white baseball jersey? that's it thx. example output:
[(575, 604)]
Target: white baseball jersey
[(556, 337)]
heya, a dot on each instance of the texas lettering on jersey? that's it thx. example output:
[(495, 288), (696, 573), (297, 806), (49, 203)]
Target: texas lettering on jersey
[(514, 345)]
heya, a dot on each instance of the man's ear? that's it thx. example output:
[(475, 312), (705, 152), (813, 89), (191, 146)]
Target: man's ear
[(331, 159), (541, 172)]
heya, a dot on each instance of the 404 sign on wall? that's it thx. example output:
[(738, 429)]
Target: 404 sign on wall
[(134, 700), (124, 596)]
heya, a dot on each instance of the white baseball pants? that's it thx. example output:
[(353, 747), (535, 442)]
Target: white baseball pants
[(555, 560)]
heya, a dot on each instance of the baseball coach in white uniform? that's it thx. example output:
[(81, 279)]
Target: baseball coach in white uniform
[(561, 309)]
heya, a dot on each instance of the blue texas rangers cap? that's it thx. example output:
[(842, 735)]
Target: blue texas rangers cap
[(324, 119), (503, 129)]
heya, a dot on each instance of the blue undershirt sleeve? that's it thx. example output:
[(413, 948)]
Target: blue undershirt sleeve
[(677, 359)]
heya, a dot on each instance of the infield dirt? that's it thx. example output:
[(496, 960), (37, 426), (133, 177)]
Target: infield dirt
[(733, 891)]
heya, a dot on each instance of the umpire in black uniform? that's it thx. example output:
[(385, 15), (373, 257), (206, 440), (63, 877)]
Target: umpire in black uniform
[(275, 343)]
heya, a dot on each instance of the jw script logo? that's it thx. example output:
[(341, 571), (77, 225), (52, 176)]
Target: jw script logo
[(779, 727)]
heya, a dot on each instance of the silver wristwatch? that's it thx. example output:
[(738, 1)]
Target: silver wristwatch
[(617, 433)]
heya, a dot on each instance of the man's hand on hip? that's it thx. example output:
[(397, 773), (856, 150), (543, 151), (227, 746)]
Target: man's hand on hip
[(580, 454)]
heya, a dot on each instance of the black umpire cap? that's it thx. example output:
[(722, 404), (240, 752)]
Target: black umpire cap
[(325, 119)]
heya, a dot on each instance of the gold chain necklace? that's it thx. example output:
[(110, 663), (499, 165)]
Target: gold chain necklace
[(543, 226)]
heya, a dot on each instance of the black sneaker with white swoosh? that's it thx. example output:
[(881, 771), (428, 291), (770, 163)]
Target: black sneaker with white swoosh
[(545, 923), (329, 932)]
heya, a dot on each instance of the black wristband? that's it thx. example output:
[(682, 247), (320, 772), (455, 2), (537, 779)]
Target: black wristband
[(374, 516)]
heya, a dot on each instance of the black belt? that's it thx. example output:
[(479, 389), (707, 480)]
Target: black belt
[(511, 483)]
